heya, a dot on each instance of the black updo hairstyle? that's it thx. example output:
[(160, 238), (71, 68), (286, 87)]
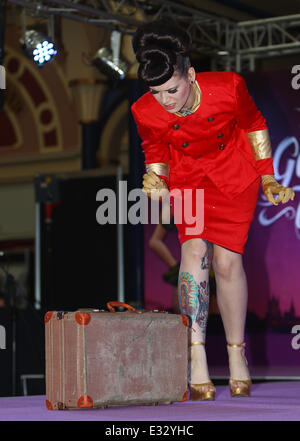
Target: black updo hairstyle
[(160, 47)]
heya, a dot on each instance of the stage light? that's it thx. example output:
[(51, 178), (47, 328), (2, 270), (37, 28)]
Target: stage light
[(38, 47), (108, 61), (103, 60)]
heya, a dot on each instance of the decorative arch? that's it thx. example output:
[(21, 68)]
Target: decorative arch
[(35, 94), (11, 136)]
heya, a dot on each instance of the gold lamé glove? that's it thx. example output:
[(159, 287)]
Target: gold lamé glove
[(154, 186), (271, 187)]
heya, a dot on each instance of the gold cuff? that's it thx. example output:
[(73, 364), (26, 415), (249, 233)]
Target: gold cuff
[(160, 168), (260, 143), (266, 179)]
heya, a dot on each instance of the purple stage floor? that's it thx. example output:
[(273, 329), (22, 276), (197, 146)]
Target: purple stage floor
[(270, 401)]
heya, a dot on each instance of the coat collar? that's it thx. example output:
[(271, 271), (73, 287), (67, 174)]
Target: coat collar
[(164, 115)]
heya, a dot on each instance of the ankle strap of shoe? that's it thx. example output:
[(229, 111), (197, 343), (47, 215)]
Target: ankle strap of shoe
[(194, 343), (235, 345)]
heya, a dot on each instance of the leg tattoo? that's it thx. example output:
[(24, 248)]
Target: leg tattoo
[(188, 296), (208, 256), (194, 299), (203, 304)]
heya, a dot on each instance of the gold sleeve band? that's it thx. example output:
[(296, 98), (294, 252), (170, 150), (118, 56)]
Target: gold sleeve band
[(260, 143), (160, 168)]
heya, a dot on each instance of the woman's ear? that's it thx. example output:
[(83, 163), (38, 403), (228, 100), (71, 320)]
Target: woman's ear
[(191, 74)]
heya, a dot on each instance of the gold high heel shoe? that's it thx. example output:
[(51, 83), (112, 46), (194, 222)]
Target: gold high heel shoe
[(198, 392), (240, 388)]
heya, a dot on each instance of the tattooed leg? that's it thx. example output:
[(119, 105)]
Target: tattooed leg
[(193, 296), (193, 291)]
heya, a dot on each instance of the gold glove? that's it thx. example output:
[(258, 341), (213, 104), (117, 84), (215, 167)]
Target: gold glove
[(154, 186), (270, 187)]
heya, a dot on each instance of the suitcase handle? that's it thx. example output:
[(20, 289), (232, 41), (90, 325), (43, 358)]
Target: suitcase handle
[(110, 306)]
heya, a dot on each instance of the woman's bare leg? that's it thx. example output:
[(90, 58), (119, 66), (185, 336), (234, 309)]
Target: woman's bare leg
[(159, 247), (193, 292), (232, 298)]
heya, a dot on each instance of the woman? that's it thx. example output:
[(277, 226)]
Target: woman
[(157, 244), (203, 131)]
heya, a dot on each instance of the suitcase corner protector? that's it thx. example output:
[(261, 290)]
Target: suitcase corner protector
[(185, 396), (49, 405), (85, 401), (82, 318), (48, 316)]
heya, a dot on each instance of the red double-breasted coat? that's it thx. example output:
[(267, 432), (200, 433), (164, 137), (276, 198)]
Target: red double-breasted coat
[(209, 149)]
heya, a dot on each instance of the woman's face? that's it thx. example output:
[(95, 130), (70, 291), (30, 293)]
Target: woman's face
[(175, 93)]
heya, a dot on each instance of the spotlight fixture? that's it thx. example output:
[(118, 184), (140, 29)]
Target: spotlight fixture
[(38, 47), (108, 60), (38, 44)]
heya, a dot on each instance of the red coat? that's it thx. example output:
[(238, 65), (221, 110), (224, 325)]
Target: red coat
[(211, 141)]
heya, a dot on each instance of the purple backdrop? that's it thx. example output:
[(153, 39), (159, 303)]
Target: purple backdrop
[(272, 254)]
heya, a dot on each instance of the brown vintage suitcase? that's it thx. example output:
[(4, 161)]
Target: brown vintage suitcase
[(103, 358)]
